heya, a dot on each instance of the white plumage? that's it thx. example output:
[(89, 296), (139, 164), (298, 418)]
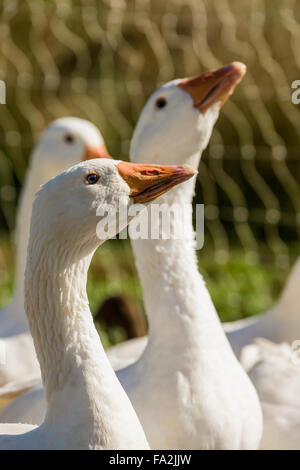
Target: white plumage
[(86, 405), (187, 387), (274, 370)]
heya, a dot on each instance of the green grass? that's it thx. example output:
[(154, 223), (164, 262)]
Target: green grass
[(6, 270), (238, 287)]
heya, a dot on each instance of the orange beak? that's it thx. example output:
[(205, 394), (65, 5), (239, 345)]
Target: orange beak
[(214, 86), (147, 182), (96, 152)]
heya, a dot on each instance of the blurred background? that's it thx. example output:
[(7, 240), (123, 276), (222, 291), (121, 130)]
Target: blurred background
[(101, 60)]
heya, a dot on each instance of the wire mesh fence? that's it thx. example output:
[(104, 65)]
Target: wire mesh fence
[(101, 59)]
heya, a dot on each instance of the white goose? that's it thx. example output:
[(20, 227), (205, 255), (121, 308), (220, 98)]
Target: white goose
[(187, 387), (65, 142), (86, 405), (275, 372)]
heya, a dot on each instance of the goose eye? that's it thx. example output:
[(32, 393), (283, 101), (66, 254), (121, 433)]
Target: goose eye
[(91, 178), (160, 103), (69, 139)]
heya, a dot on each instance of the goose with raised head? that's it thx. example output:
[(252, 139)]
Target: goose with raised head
[(64, 143), (86, 405), (187, 387)]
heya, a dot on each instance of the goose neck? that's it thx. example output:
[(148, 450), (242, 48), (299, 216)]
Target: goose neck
[(86, 405), (57, 309), (32, 183), (72, 359), (175, 295)]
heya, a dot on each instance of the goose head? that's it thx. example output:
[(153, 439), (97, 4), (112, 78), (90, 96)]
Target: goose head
[(68, 207), (177, 120), (66, 142)]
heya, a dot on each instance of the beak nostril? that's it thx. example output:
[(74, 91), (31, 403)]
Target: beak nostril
[(151, 172)]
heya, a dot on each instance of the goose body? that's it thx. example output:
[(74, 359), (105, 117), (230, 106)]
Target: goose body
[(86, 405), (274, 370), (197, 394), (65, 142), (187, 387)]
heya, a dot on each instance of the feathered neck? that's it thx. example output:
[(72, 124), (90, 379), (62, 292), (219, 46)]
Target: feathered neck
[(57, 307), (177, 302), (82, 391)]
